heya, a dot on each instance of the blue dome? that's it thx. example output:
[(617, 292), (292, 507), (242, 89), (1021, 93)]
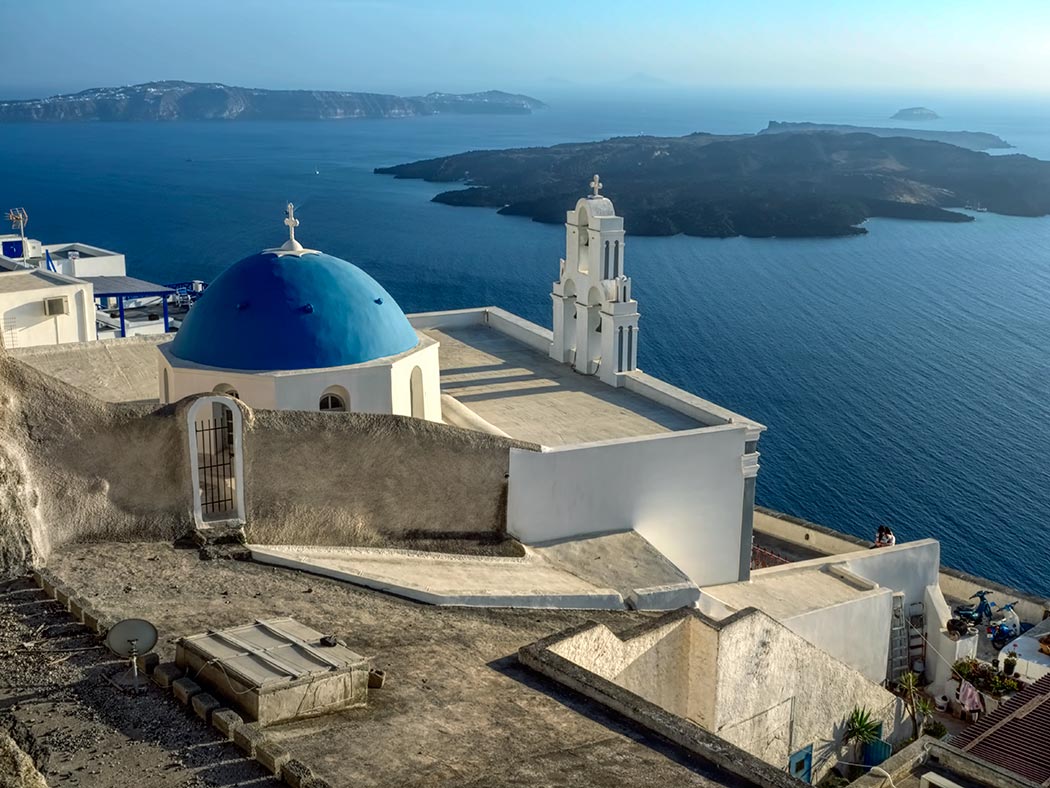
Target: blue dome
[(271, 312)]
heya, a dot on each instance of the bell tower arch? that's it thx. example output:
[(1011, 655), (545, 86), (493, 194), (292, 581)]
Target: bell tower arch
[(595, 317)]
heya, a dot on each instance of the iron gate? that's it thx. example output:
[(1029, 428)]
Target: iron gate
[(215, 465)]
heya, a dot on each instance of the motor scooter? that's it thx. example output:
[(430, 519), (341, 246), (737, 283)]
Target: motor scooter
[(979, 613), (1006, 628)]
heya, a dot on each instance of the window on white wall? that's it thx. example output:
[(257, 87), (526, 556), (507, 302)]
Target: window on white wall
[(332, 402)]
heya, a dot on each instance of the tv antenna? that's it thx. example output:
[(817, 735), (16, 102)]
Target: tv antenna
[(131, 639), (19, 219)]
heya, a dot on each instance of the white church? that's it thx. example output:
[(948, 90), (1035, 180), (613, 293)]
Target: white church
[(294, 328)]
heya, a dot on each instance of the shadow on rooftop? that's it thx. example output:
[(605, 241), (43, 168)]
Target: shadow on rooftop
[(614, 722)]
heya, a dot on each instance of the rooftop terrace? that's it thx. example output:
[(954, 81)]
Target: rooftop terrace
[(528, 395), (457, 708)]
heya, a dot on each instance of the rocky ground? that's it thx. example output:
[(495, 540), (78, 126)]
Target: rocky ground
[(56, 703)]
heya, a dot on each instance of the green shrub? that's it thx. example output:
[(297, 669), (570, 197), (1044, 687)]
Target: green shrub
[(935, 728)]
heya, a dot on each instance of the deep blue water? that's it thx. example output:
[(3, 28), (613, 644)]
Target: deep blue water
[(904, 375)]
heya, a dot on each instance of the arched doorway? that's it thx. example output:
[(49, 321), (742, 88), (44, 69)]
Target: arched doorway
[(215, 428), (416, 388)]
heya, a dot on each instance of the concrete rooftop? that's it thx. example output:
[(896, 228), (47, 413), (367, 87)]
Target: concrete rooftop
[(533, 398), (20, 280), (112, 370), (457, 708), (784, 594)]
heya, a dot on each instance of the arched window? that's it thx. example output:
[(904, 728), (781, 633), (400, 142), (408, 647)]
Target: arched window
[(226, 389), (332, 402)]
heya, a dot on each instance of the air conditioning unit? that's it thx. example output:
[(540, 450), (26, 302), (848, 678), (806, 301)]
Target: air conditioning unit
[(56, 306)]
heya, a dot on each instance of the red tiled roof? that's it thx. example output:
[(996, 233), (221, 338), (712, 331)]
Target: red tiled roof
[(1016, 736)]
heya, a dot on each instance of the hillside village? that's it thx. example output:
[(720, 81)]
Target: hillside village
[(448, 548)]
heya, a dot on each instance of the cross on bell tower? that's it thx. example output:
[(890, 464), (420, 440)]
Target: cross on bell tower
[(595, 317)]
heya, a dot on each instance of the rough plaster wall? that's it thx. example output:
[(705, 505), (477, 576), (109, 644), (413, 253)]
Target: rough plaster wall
[(703, 673), (654, 665), (73, 468), (360, 479), (763, 666)]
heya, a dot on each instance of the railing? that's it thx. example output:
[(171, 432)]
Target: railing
[(762, 558)]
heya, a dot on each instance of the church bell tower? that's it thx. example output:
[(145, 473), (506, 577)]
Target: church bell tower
[(595, 317)]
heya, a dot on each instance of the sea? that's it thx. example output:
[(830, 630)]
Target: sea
[(903, 375)]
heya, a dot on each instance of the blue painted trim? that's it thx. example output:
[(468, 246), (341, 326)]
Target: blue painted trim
[(123, 325)]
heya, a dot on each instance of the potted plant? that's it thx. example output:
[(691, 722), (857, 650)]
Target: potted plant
[(861, 729), (1010, 663)]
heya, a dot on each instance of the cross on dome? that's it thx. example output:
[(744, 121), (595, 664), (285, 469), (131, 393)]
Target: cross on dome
[(291, 244), (596, 185)]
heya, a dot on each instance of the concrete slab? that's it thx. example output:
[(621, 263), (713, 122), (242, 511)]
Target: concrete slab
[(441, 579), (112, 370), (533, 398)]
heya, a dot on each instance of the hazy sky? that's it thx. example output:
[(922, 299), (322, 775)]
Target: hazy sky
[(417, 46)]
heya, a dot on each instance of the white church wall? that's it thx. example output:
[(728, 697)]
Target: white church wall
[(368, 388), (257, 391), (427, 361), (682, 491)]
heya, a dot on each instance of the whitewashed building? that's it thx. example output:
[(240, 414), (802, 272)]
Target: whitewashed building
[(54, 294)]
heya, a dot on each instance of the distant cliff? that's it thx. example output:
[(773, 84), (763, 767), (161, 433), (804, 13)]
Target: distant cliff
[(174, 100), (974, 140), (915, 113), (813, 184)]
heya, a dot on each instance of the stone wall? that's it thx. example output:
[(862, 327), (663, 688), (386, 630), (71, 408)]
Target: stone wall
[(748, 680), (361, 479), (653, 664), (778, 694), (75, 469)]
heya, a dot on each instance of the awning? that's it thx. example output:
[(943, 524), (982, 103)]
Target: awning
[(126, 287)]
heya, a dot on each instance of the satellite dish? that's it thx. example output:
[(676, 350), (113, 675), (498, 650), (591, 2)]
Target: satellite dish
[(131, 637)]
